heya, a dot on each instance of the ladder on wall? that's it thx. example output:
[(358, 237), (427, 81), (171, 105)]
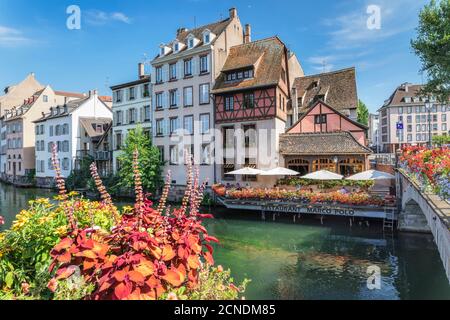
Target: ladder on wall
[(389, 219)]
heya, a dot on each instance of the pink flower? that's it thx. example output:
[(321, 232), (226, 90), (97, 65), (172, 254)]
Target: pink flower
[(52, 285), (219, 268), (2, 220), (25, 288), (172, 296)]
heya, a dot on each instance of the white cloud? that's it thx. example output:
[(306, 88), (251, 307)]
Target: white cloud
[(97, 17), (10, 37)]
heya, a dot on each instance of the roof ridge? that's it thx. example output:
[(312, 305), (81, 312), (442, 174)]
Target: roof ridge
[(259, 40), (330, 72)]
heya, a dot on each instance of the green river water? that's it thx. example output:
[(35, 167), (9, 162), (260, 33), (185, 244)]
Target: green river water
[(308, 260)]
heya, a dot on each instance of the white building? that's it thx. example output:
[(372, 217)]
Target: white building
[(3, 148), (131, 107), (74, 128), (407, 117), (183, 74), (374, 136)]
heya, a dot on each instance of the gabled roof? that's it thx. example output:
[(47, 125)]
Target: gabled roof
[(356, 123), (25, 107), (265, 55), (71, 107), (397, 98), (338, 89), (321, 144), (216, 28), (89, 123)]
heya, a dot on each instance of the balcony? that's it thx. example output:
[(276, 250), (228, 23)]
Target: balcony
[(102, 155), (83, 153)]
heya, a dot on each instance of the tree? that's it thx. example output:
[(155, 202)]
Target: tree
[(432, 45), (149, 161), (441, 140), (362, 113)]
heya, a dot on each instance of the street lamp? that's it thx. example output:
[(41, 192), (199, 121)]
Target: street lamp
[(428, 106)]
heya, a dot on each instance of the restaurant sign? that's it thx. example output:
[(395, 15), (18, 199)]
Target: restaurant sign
[(324, 210)]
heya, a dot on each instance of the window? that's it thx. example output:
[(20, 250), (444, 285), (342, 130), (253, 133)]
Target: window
[(119, 118), (58, 130), (206, 37), (443, 108), (409, 119), (320, 119), (229, 103), (417, 118), (65, 164), (174, 125), (173, 98), (204, 93), (174, 154), (118, 140), (145, 91), (239, 75), (191, 42), (409, 110), (188, 153), (132, 93), (187, 97), (160, 127), (204, 68), (206, 154), (409, 137), (65, 129), (435, 127), (159, 100), (147, 113), (444, 127), (444, 117), (65, 146), (173, 71), (45, 98), (132, 115), (204, 123), (159, 74), (161, 153), (188, 124), (400, 110), (249, 100), (435, 117), (118, 96), (49, 147), (187, 67)]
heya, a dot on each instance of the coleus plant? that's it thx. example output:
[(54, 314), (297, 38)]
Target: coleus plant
[(147, 253)]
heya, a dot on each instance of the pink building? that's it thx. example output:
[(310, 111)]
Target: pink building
[(325, 139)]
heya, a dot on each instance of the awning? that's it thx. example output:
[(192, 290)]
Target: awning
[(371, 175), (323, 175), (245, 172), (280, 171)]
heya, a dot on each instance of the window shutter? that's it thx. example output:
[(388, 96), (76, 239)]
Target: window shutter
[(153, 75), (180, 69), (208, 62), (142, 115), (127, 94), (164, 99), (178, 97), (195, 65), (166, 73), (127, 117)]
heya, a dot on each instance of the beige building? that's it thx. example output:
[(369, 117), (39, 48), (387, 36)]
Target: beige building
[(183, 74), (20, 132), (409, 118), (17, 93)]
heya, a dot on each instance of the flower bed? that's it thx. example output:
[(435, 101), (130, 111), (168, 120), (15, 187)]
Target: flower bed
[(430, 168), (81, 249), (359, 198)]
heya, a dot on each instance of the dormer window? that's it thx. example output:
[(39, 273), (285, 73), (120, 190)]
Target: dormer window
[(191, 43), (164, 50), (176, 47), (407, 99), (206, 38), (239, 75)]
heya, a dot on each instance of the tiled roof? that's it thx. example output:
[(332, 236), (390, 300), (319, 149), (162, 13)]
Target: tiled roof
[(265, 55), (338, 89), (70, 94), (71, 106), (320, 144), (89, 123), (105, 98)]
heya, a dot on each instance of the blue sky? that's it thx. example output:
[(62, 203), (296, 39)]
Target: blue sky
[(116, 35)]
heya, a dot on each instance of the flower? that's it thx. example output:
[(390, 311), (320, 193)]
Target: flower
[(172, 296), (25, 288), (52, 285), (2, 221), (219, 268)]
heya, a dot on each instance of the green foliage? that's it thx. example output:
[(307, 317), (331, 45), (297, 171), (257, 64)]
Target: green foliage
[(362, 113), (441, 140), (295, 181), (80, 178), (25, 248), (432, 45), (149, 161)]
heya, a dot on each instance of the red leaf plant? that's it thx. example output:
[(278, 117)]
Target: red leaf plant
[(147, 253)]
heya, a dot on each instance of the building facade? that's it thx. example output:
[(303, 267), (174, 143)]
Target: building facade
[(374, 134), (325, 139), (183, 74), (75, 127), (405, 118), (20, 132), (131, 107), (251, 97)]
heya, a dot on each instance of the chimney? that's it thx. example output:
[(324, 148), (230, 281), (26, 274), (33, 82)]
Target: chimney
[(141, 70), (294, 105), (92, 92), (43, 114), (233, 13), (248, 34), (181, 30)]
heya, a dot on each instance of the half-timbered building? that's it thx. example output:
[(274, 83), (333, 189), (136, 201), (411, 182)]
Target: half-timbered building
[(250, 100)]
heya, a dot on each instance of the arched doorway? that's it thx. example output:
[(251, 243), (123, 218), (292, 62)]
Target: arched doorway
[(299, 165), (324, 164), (349, 167)]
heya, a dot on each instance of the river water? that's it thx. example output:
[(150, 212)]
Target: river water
[(308, 260)]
